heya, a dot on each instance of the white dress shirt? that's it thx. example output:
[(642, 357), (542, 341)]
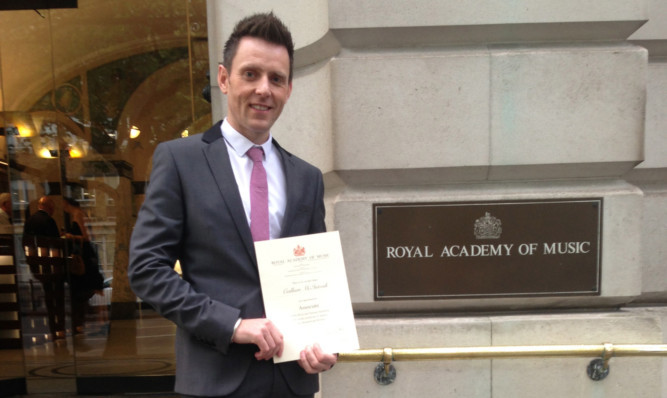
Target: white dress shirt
[(237, 146)]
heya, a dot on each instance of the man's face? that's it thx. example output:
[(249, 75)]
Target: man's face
[(257, 87)]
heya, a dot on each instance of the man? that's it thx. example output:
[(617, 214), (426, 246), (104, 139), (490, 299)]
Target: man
[(6, 213), (42, 223), (44, 251), (5, 208), (198, 210)]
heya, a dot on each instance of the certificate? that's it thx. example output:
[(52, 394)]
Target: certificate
[(306, 293)]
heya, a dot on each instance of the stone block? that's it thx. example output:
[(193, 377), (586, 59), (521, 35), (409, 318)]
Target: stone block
[(653, 248), (453, 378), (566, 112), (656, 118), (506, 377), (354, 14), (566, 377), (405, 24), (656, 26), (410, 110)]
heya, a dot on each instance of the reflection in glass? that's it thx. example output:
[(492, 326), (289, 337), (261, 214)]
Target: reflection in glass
[(87, 94)]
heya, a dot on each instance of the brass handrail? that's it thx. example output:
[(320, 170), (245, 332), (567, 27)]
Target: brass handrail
[(598, 368), (420, 354)]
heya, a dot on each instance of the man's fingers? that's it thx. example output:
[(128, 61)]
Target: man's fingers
[(263, 333), (267, 345), (264, 342), (274, 341), (305, 363), (314, 360)]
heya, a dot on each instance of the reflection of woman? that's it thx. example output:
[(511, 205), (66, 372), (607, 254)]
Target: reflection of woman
[(82, 286)]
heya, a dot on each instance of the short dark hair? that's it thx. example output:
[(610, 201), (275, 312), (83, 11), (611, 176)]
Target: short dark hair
[(265, 26)]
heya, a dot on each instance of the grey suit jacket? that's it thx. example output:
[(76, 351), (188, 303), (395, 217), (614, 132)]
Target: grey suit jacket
[(193, 212)]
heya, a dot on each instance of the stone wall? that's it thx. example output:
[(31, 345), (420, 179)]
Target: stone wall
[(442, 101)]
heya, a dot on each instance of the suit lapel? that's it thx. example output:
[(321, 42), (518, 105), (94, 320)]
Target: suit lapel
[(218, 160)]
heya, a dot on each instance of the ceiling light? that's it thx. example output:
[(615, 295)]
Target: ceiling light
[(134, 132)]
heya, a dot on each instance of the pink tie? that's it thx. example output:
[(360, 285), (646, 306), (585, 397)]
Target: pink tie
[(259, 196)]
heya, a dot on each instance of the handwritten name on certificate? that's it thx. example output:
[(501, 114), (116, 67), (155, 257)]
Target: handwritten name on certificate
[(306, 294)]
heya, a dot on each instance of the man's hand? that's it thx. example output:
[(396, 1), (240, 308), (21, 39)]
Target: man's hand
[(263, 333), (314, 360)]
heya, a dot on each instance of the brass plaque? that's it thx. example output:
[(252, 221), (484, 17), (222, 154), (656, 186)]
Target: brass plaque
[(487, 249)]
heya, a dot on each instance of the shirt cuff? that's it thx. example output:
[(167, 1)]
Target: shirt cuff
[(236, 326)]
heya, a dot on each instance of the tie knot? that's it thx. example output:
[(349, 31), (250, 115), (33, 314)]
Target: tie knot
[(256, 153)]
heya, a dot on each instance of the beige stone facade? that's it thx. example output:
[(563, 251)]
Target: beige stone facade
[(442, 101)]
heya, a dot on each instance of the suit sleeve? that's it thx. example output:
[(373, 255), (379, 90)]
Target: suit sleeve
[(156, 240), (317, 224)]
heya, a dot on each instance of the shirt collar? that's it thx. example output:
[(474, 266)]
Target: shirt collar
[(239, 143)]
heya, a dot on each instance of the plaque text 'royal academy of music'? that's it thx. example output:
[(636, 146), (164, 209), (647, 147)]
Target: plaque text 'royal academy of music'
[(487, 249)]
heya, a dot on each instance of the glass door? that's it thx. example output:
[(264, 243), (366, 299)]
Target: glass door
[(87, 94)]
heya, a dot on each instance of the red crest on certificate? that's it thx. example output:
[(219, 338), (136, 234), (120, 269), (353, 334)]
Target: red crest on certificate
[(299, 251)]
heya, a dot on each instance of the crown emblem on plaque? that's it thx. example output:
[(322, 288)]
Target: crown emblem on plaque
[(488, 227), (299, 251)]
